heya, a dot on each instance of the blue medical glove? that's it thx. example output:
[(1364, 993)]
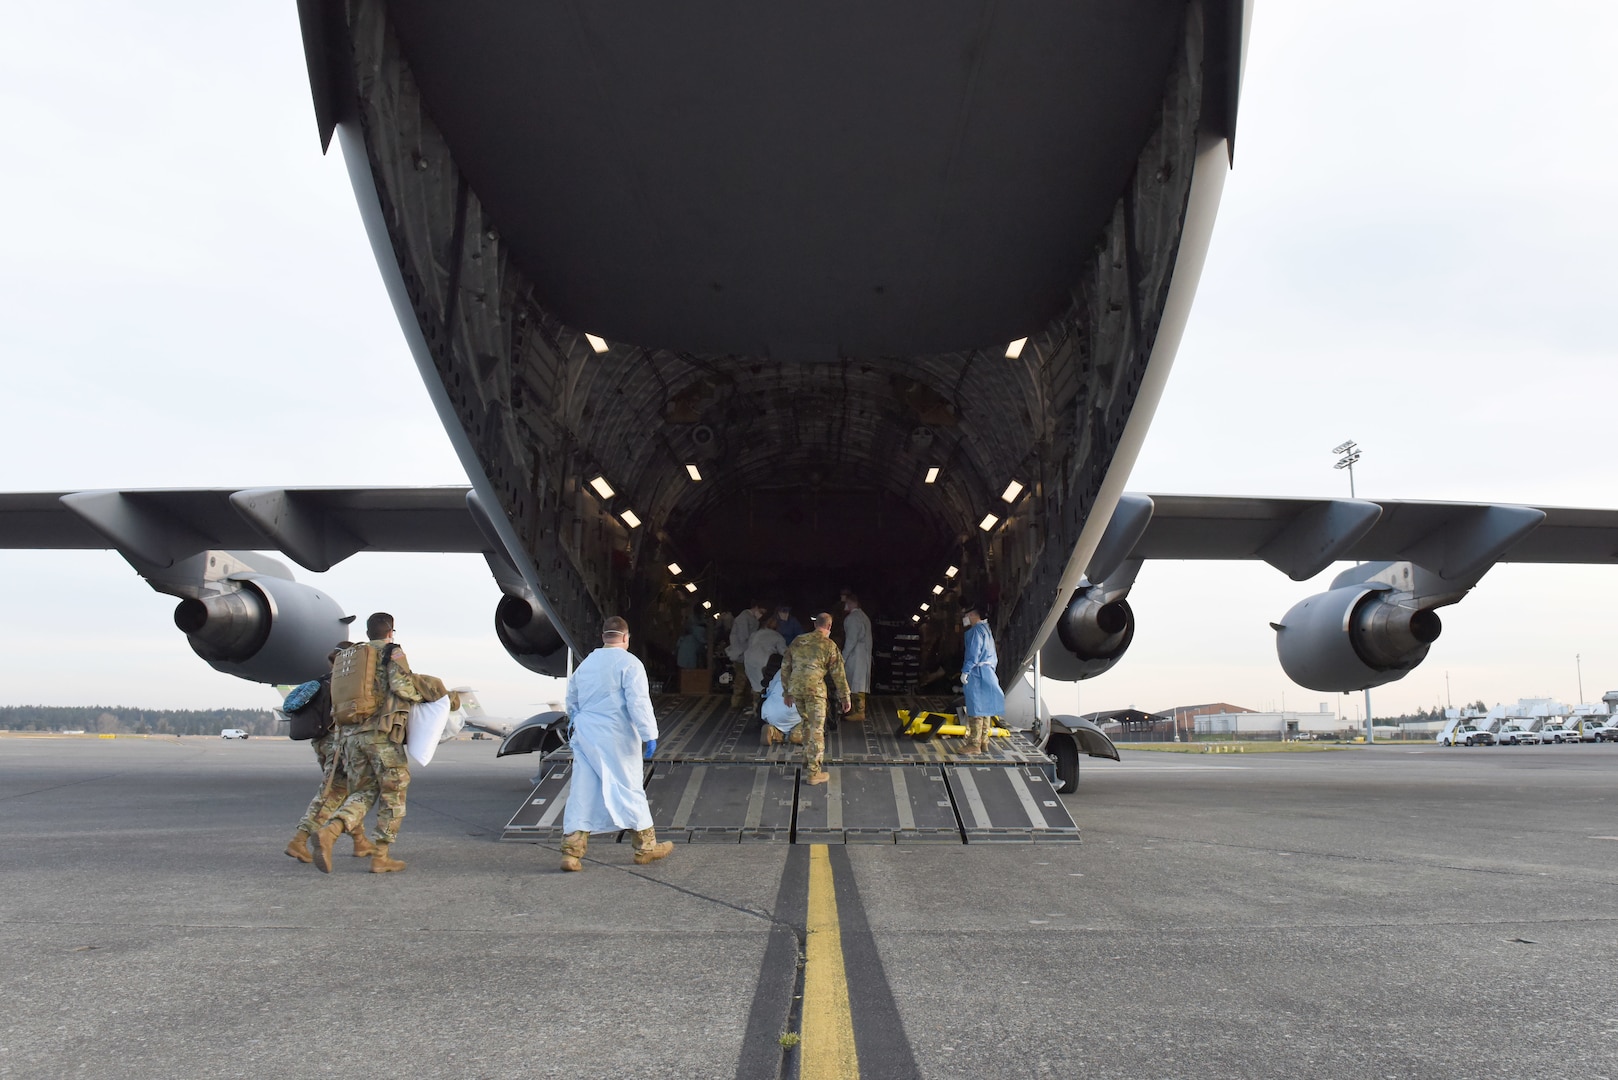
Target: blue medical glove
[(651, 748)]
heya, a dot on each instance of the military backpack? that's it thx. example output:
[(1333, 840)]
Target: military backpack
[(353, 683)]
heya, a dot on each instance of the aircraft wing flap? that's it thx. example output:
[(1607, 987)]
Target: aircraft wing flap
[(1239, 528)]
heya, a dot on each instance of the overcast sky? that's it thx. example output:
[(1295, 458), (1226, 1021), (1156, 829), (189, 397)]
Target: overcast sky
[(1413, 251)]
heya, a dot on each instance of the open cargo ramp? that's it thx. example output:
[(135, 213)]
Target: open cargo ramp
[(713, 782)]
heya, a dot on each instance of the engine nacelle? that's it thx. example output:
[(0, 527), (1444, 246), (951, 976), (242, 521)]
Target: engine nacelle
[(263, 628), (1354, 638), (529, 636), (1091, 636)]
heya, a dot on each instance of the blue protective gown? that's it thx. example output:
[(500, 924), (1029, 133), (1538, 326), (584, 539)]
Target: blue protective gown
[(789, 628), (777, 712), (611, 711), (983, 694)]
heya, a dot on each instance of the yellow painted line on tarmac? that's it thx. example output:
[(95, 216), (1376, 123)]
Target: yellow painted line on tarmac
[(827, 1050)]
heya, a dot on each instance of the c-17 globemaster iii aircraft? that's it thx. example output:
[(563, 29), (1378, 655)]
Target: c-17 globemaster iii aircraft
[(746, 301)]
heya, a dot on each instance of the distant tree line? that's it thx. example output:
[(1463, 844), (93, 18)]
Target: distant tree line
[(118, 720), (1424, 716)]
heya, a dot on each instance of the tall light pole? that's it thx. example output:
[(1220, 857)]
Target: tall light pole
[(1350, 454), (1579, 667)]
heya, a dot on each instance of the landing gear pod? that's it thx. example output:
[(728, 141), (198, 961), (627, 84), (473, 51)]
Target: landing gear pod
[(1354, 638)]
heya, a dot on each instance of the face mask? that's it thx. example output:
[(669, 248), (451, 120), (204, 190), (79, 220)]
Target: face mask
[(966, 620)]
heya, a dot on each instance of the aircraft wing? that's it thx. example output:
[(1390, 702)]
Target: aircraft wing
[(315, 527), (1301, 537)]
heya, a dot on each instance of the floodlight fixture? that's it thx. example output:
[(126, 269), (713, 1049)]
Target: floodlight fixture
[(952, 571), (674, 568), (707, 605), (989, 521), (603, 488), (690, 586), (693, 471), (938, 590), (630, 518), (1014, 350), (924, 607), (598, 344), (932, 475), (1013, 489)]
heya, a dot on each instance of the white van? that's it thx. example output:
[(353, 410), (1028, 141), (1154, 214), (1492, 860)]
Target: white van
[(233, 733)]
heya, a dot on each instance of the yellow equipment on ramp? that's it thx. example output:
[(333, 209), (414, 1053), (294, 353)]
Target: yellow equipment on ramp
[(924, 725)]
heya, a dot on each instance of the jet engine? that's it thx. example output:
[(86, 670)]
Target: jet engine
[(264, 628), (1092, 634), (529, 636), (1354, 638)]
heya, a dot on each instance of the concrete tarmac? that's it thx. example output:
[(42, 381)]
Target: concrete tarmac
[(1396, 911)]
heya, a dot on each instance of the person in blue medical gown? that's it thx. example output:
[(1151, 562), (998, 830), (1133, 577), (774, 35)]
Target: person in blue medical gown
[(614, 731), (984, 698), (781, 721)]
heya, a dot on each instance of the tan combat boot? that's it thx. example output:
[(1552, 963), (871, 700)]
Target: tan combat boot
[(363, 848), (298, 846), (796, 738), (324, 839), (381, 864), (647, 849), (574, 845)]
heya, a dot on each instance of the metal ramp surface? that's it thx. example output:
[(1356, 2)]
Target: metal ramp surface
[(713, 782), (730, 803)]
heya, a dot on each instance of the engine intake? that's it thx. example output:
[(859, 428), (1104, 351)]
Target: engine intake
[(1354, 638)]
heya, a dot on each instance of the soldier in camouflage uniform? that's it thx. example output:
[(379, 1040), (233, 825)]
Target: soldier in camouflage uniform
[(809, 660), (334, 780), (374, 755)]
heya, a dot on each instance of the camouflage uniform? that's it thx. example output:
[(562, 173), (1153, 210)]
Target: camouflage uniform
[(373, 752), (809, 660), (334, 788)]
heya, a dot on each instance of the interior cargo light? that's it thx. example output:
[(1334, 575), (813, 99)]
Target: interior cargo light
[(924, 607), (932, 475), (690, 587), (695, 473), (630, 519), (674, 568), (989, 521), (1013, 350), (938, 590), (603, 488), (1013, 489), (707, 605), (915, 618), (952, 571), (598, 344)]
